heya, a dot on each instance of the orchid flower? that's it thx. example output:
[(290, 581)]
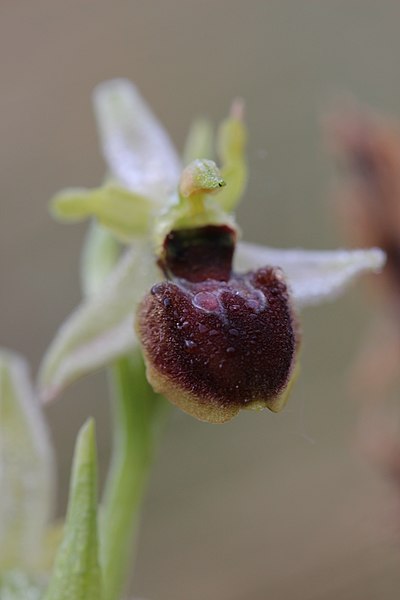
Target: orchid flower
[(216, 335), (216, 323)]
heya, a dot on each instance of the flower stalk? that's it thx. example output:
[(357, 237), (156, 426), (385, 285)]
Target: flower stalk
[(136, 416)]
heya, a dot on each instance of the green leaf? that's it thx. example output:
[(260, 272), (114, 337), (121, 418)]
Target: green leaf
[(101, 329), (231, 145), (199, 142), (136, 147), (124, 213), (77, 574), (26, 468)]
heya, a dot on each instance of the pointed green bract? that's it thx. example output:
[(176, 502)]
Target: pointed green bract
[(101, 329), (199, 142), (125, 214), (26, 468), (231, 146), (77, 574)]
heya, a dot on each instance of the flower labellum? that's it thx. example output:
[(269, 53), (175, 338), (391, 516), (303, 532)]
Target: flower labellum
[(214, 341)]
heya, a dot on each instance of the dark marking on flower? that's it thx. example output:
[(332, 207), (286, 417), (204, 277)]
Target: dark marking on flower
[(199, 253), (239, 348)]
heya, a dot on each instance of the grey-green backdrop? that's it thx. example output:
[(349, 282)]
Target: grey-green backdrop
[(269, 506)]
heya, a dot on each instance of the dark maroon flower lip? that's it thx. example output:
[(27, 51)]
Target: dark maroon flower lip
[(214, 347)]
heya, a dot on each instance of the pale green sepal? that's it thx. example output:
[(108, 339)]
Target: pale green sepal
[(26, 468), (137, 149), (313, 276), (124, 213), (76, 574), (231, 146), (101, 328), (100, 254), (199, 142), (17, 585)]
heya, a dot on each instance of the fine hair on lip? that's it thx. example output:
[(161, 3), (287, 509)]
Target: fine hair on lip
[(220, 344)]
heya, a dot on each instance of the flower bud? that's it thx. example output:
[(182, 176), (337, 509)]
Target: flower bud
[(214, 347)]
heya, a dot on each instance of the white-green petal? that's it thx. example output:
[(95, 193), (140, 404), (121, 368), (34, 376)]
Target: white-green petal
[(231, 146), (101, 328), (313, 276), (26, 467), (135, 145)]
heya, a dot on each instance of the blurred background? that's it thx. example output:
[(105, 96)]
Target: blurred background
[(267, 506)]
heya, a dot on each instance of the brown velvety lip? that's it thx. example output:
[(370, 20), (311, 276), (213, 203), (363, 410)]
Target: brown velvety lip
[(214, 347)]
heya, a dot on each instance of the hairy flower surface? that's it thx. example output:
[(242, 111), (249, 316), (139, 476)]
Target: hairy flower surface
[(214, 347), (217, 317)]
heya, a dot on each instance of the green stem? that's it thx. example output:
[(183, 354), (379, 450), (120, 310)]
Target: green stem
[(136, 413)]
